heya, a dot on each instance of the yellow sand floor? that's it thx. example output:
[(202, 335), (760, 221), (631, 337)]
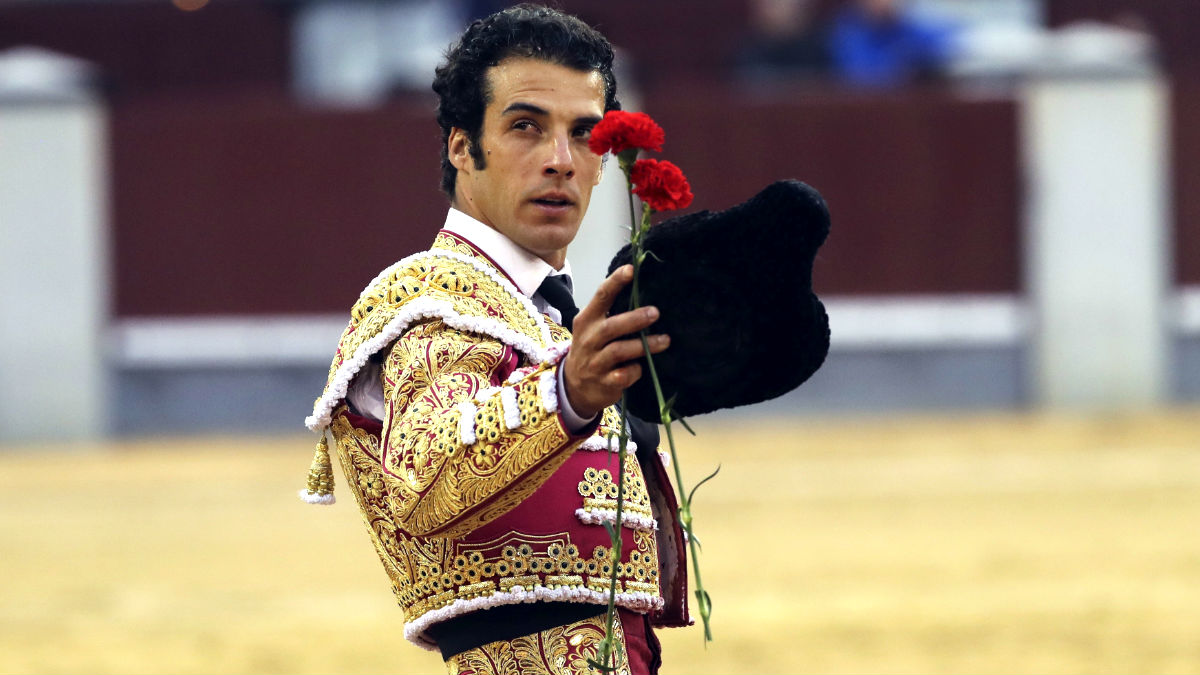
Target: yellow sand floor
[(983, 544)]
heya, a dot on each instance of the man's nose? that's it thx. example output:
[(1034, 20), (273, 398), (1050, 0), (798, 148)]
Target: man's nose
[(560, 160)]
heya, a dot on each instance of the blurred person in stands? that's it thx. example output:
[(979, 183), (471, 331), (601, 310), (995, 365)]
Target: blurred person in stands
[(783, 41), (475, 443), (882, 43)]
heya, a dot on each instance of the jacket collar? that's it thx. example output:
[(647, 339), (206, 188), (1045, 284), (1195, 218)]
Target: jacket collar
[(524, 269)]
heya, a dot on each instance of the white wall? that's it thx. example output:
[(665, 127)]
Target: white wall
[(53, 256), (1097, 259)]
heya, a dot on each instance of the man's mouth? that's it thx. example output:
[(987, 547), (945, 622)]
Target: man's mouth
[(554, 199)]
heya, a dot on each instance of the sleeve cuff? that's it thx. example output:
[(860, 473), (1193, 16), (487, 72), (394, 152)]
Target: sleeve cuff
[(571, 419)]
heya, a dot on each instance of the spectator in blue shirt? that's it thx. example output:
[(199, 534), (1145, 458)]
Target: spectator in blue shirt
[(879, 43)]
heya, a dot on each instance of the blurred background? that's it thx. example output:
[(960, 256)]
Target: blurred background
[(995, 470)]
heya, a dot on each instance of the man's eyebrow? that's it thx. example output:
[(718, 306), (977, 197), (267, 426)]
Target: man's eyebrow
[(589, 120), (525, 107)]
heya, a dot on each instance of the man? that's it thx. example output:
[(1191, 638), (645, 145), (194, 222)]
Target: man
[(475, 441)]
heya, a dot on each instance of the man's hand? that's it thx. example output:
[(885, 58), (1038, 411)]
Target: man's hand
[(599, 366)]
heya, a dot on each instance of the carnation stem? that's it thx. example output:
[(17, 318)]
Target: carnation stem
[(607, 649), (685, 506), (607, 646), (638, 230)]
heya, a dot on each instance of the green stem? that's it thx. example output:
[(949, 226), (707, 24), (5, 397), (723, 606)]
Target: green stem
[(685, 506), (607, 651), (638, 230), (635, 233)]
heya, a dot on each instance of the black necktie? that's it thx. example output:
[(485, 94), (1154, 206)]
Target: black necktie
[(556, 292)]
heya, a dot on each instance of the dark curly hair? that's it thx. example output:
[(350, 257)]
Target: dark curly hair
[(526, 30)]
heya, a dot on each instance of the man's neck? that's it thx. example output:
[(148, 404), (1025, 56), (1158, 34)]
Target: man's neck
[(526, 269), (555, 259)]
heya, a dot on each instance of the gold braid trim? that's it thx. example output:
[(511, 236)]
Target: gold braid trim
[(466, 288), (438, 484), (562, 650), (460, 286)]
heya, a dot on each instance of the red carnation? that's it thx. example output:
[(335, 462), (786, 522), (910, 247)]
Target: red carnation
[(620, 130), (660, 184)]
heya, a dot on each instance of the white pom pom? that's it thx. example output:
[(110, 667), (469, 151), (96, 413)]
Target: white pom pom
[(310, 498)]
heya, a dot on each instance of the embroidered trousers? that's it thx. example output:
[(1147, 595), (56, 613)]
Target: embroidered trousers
[(565, 650)]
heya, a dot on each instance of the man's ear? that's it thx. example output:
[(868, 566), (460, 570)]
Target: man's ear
[(458, 149)]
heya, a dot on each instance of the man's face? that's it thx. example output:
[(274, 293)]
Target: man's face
[(539, 172)]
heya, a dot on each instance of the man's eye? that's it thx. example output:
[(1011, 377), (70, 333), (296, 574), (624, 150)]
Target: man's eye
[(525, 125), (583, 133)]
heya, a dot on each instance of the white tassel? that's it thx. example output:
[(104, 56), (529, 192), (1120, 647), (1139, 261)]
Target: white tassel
[(548, 390), (466, 423), (512, 412), (614, 444), (594, 444)]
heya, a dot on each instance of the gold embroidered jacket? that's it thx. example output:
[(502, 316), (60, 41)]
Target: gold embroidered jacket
[(474, 492)]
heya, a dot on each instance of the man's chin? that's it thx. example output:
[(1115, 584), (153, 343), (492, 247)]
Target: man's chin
[(549, 245), (556, 228)]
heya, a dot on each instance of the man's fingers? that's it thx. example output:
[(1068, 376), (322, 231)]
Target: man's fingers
[(602, 301), (626, 323), (605, 358), (616, 353), (658, 343), (625, 375)]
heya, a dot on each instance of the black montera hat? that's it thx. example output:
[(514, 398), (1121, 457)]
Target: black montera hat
[(735, 292)]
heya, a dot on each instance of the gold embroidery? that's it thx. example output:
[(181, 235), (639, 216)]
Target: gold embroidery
[(597, 483), (442, 486), (563, 650), (449, 280), (428, 573), (599, 491), (469, 293), (468, 360), (420, 489), (357, 451), (560, 566), (449, 242)]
